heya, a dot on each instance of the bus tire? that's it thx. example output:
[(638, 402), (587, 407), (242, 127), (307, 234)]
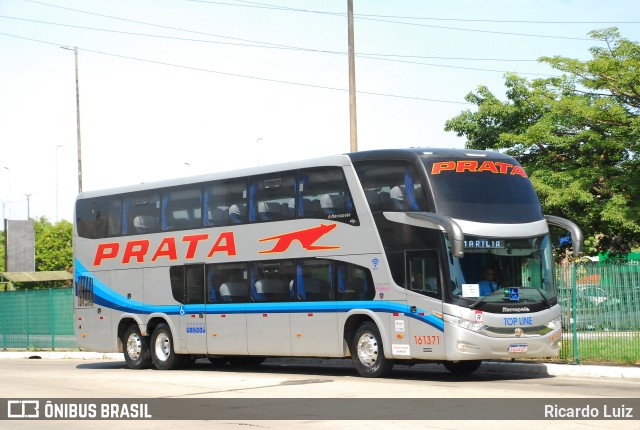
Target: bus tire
[(367, 352), (162, 353), (462, 367), (136, 348)]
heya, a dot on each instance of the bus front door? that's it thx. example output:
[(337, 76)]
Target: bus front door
[(424, 298)]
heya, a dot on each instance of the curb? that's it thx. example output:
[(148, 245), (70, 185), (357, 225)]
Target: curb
[(542, 369)]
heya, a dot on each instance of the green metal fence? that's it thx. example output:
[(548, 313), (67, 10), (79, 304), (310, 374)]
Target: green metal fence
[(37, 319), (600, 314), (600, 311)]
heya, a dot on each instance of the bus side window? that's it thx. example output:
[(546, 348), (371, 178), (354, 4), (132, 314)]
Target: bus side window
[(141, 214), (92, 218), (181, 209), (227, 283), (176, 276), (353, 282), (324, 192), (392, 186), (273, 281), (225, 203), (272, 197), (313, 280), (194, 285)]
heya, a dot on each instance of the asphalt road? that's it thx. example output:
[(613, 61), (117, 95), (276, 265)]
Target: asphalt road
[(281, 385)]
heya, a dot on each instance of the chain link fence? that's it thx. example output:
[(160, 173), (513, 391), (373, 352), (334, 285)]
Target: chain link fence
[(37, 319), (600, 311), (600, 314)]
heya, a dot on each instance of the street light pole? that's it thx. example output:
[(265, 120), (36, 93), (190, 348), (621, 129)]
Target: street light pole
[(28, 206), (75, 52), (8, 188), (57, 147), (352, 83)]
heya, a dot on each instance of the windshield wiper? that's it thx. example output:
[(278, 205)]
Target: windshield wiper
[(544, 298)]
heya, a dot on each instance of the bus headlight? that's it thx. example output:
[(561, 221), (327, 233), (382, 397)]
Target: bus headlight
[(463, 323)]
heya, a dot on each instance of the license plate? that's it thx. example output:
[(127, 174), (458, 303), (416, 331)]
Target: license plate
[(520, 347)]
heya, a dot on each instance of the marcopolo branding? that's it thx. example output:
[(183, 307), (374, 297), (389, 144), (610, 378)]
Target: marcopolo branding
[(506, 309)]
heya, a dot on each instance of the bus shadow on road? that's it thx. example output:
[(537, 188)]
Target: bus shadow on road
[(341, 368)]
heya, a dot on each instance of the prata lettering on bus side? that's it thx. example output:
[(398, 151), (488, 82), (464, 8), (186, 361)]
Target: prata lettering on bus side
[(474, 166), (137, 251)]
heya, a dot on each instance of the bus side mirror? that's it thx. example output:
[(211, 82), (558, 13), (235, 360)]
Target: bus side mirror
[(577, 238)]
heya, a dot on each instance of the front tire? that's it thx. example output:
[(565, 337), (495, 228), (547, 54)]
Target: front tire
[(136, 348), (367, 352), (162, 353)]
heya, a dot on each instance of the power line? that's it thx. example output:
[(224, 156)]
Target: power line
[(284, 47), (237, 75), (257, 5), (261, 43)]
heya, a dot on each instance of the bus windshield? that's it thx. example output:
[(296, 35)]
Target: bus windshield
[(485, 190), (504, 271)]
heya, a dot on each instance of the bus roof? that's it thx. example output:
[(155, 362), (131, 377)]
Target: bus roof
[(334, 160)]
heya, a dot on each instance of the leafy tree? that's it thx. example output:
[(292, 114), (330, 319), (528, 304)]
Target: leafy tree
[(54, 245), (577, 136)]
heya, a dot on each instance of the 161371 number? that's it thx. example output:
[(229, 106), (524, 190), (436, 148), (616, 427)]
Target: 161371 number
[(427, 340)]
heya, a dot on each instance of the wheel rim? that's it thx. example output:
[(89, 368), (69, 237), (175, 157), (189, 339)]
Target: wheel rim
[(134, 346), (162, 347), (368, 349)]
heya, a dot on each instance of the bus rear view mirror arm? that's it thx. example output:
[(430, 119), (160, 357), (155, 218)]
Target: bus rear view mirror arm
[(577, 238), (456, 237)]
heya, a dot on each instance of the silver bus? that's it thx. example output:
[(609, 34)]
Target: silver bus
[(381, 256)]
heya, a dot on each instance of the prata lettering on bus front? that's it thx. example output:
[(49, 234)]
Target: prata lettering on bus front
[(474, 166)]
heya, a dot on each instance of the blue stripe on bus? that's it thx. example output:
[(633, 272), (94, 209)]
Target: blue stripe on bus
[(104, 296)]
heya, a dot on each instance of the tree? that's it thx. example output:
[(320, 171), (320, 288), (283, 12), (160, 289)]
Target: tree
[(577, 137), (54, 245)]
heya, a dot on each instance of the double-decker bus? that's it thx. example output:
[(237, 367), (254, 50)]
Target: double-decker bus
[(376, 255)]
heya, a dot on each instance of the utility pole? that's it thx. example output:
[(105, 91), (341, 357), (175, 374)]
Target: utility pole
[(75, 52), (353, 127)]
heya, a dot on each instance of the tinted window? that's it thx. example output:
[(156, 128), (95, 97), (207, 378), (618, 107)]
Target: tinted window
[(141, 213), (97, 218), (272, 281), (392, 186), (313, 280), (227, 283), (226, 203), (353, 282), (181, 209), (272, 197), (194, 283), (483, 190), (323, 193), (176, 276)]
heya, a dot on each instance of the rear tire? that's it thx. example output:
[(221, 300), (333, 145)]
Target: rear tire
[(367, 352), (462, 367), (136, 348), (162, 352)]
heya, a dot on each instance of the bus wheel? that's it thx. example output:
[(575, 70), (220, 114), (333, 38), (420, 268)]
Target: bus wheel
[(462, 367), (162, 353), (367, 352), (136, 348)]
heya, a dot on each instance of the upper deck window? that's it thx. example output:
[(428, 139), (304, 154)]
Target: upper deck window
[(392, 186), (482, 189)]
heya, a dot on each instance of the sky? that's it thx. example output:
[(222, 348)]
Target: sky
[(172, 88)]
